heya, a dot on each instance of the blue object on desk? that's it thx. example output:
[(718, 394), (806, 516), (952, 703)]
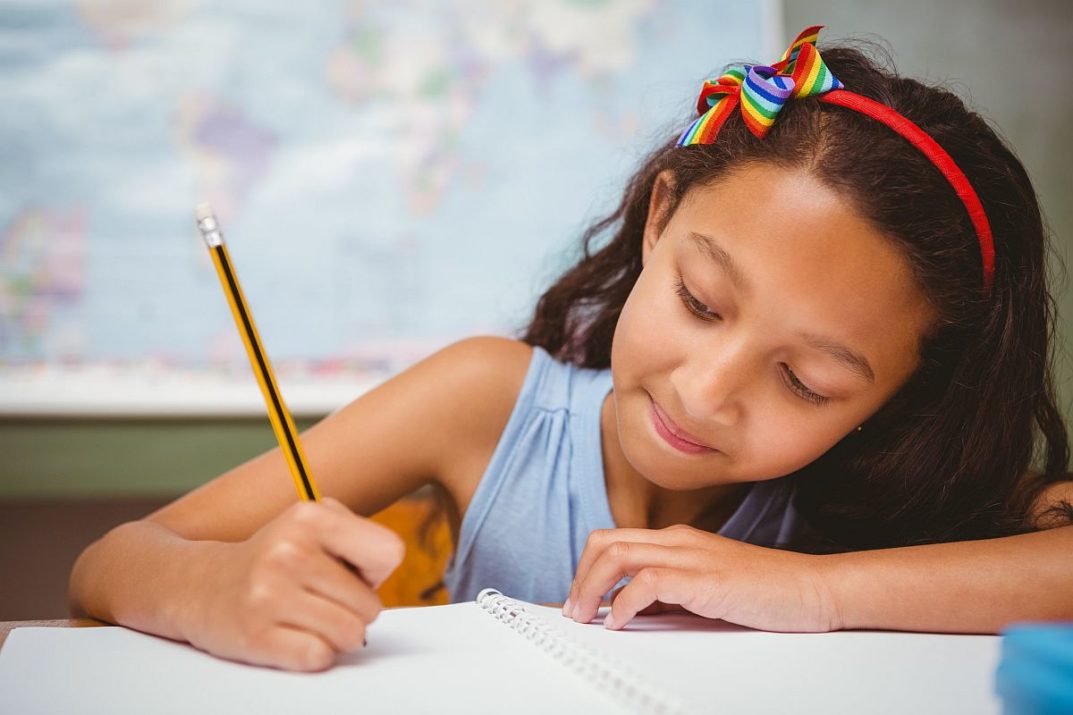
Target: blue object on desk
[(1035, 673)]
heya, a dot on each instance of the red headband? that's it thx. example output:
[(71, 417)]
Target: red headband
[(762, 90)]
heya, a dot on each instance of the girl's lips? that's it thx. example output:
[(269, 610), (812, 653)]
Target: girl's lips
[(677, 438)]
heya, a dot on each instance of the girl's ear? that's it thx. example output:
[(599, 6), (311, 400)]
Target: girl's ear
[(659, 206)]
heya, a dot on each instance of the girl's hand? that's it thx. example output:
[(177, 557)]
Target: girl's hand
[(286, 597), (710, 575)]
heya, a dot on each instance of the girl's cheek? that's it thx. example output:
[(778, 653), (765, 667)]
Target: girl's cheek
[(800, 447)]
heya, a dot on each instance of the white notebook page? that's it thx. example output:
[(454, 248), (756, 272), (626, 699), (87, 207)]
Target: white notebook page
[(443, 659), (458, 658), (719, 667)]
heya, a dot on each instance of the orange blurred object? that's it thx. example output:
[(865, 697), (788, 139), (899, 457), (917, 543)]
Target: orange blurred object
[(423, 526)]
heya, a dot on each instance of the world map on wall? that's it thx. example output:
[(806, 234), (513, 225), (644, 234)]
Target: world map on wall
[(390, 176)]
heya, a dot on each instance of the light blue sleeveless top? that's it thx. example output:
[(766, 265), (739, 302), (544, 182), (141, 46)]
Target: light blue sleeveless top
[(544, 491)]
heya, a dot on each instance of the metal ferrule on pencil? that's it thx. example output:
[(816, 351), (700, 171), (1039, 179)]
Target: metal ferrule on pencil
[(208, 226)]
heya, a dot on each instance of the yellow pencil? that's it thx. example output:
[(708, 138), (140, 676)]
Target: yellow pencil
[(282, 424)]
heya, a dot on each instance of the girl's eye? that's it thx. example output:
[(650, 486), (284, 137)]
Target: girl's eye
[(798, 387), (701, 311), (695, 306)]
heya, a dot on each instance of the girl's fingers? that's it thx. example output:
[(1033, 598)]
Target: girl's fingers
[(373, 549), (650, 586), (291, 649), (331, 579), (338, 626), (617, 561), (601, 539), (654, 608), (658, 607)]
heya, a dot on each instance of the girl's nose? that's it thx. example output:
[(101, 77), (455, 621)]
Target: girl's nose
[(711, 387)]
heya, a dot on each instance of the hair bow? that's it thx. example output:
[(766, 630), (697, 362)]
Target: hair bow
[(761, 90)]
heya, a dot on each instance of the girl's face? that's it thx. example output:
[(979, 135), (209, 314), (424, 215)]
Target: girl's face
[(769, 321)]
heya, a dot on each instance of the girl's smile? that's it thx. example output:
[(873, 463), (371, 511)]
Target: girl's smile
[(676, 436)]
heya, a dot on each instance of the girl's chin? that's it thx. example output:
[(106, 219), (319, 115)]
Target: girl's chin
[(667, 473)]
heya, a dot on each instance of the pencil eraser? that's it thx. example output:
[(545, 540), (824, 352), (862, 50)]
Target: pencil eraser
[(204, 211)]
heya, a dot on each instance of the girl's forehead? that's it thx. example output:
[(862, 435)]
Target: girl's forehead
[(780, 219), (766, 194)]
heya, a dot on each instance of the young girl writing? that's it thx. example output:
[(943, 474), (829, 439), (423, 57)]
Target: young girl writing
[(804, 386)]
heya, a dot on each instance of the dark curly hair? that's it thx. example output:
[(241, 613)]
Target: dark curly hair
[(967, 445)]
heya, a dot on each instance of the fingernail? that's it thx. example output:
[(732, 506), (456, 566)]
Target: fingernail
[(567, 608), (609, 621), (575, 611)]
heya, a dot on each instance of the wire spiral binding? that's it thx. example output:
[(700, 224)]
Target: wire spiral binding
[(613, 680)]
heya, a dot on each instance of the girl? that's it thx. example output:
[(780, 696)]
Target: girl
[(801, 387)]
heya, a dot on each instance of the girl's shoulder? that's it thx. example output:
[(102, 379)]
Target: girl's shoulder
[(488, 372)]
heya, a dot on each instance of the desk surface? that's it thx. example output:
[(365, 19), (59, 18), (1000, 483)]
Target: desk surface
[(7, 626)]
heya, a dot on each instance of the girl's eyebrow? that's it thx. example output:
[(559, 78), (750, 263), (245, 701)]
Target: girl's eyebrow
[(850, 359), (721, 258)]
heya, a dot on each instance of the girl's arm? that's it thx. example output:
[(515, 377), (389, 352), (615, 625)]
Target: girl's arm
[(425, 425), (963, 587), (242, 569)]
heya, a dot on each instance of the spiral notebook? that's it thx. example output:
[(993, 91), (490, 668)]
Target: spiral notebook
[(497, 655)]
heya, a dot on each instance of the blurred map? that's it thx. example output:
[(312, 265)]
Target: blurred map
[(390, 176)]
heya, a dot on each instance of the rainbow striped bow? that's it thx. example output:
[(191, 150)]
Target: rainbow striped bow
[(761, 90)]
